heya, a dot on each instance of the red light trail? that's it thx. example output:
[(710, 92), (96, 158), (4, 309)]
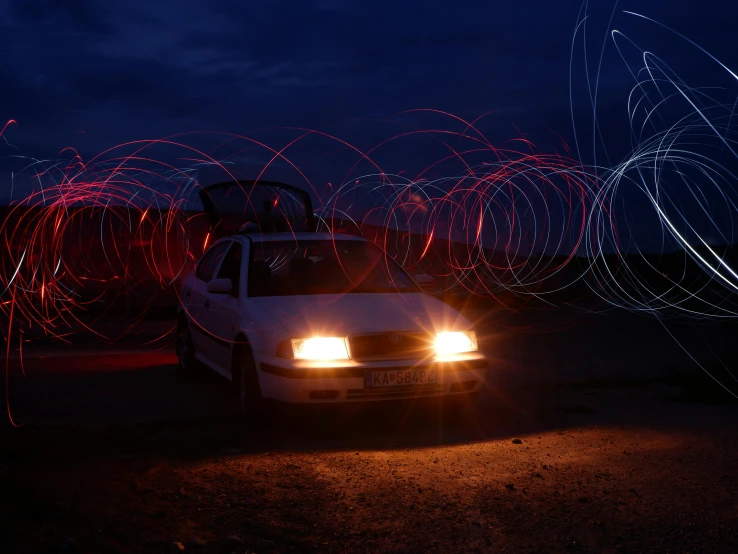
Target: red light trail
[(513, 223)]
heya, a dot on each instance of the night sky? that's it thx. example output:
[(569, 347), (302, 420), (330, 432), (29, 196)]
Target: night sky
[(94, 74), (139, 69)]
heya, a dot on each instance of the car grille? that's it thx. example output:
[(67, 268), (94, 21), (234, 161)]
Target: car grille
[(390, 346)]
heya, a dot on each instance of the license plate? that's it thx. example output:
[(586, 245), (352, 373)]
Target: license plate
[(400, 378)]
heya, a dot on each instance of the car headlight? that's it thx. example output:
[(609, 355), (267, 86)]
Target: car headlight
[(320, 348), (455, 342)]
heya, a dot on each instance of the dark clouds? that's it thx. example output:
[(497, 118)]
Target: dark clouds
[(79, 15), (122, 71)]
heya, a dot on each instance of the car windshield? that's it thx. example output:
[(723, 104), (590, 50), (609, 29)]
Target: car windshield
[(287, 268)]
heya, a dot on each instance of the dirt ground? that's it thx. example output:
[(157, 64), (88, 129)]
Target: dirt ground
[(120, 453)]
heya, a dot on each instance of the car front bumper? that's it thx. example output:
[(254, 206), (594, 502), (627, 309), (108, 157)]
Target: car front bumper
[(298, 381)]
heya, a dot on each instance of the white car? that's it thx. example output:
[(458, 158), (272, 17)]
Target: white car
[(306, 317)]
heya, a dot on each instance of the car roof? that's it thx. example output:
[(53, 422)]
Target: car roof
[(273, 237)]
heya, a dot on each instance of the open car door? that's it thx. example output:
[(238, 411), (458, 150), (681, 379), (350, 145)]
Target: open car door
[(260, 206)]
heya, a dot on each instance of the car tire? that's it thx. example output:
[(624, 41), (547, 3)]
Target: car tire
[(185, 347), (246, 381)]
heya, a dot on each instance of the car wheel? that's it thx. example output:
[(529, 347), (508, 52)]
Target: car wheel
[(185, 347), (250, 400)]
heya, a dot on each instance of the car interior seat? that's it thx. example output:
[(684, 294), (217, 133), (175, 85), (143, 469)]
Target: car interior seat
[(302, 273), (260, 278)]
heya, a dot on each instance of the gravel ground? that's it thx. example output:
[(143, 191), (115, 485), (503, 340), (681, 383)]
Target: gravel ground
[(120, 453), (605, 471)]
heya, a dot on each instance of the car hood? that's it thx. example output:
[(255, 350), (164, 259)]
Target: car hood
[(348, 314)]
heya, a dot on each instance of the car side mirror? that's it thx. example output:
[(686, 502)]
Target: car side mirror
[(220, 286), (424, 279)]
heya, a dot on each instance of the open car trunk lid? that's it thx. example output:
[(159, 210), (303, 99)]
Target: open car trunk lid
[(261, 206)]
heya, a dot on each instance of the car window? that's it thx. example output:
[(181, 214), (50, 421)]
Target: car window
[(285, 268), (231, 266), (208, 264)]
